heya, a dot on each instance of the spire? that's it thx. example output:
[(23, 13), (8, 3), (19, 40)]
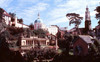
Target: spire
[(38, 15)]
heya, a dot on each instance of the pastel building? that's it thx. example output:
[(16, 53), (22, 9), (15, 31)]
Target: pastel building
[(6, 17), (8, 20), (28, 43), (38, 24), (53, 29), (17, 24)]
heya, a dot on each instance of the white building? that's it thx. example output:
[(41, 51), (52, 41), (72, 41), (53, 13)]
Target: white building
[(7, 19), (53, 29), (17, 24)]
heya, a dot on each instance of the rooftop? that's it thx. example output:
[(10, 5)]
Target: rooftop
[(86, 38)]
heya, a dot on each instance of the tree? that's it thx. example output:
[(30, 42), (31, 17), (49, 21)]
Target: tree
[(1, 13), (14, 31), (12, 14), (6, 55), (98, 14), (40, 33), (98, 9), (74, 19), (65, 43), (31, 26), (20, 20), (2, 23), (58, 34)]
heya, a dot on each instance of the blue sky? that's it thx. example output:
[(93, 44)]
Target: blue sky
[(52, 12)]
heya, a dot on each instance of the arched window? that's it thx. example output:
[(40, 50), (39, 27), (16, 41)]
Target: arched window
[(79, 50)]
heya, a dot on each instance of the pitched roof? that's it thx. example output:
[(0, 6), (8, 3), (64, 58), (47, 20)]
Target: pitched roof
[(74, 29), (86, 38), (63, 28), (5, 13), (71, 30)]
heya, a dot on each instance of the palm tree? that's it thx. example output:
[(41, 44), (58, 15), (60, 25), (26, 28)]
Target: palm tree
[(74, 19)]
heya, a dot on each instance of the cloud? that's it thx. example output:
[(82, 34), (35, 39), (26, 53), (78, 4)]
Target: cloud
[(71, 6), (59, 20), (5, 3), (26, 9), (28, 1), (29, 13), (54, 11), (58, 1)]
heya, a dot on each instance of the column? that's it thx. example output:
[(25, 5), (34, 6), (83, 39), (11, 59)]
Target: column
[(56, 44), (33, 43)]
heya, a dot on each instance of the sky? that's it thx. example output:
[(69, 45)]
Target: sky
[(52, 12)]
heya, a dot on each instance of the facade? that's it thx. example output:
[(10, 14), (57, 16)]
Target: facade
[(82, 44), (28, 43), (8, 20), (15, 23), (6, 17), (53, 29)]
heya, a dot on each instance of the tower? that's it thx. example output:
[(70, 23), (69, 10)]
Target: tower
[(87, 20)]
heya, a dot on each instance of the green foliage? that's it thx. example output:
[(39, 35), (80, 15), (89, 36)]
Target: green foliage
[(69, 37), (97, 42), (12, 14), (15, 31), (20, 20), (58, 34), (1, 13), (98, 16), (94, 49), (40, 33), (62, 43), (28, 32), (97, 9), (98, 13), (74, 18), (31, 26), (6, 34)]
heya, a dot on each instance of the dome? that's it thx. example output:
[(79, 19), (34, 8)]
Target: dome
[(38, 20)]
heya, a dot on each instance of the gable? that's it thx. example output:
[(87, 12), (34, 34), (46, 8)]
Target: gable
[(80, 41)]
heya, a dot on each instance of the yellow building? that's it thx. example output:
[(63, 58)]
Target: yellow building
[(28, 43)]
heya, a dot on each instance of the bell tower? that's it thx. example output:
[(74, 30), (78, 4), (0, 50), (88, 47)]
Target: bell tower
[(87, 20)]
